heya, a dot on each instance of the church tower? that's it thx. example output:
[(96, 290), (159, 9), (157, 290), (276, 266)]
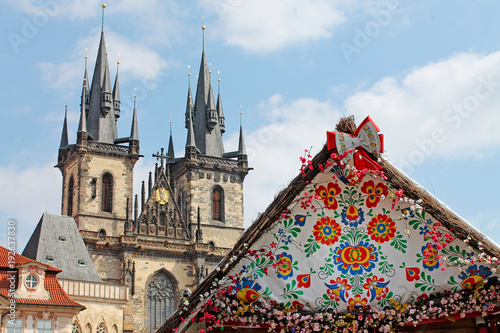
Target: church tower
[(189, 213), (98, 170)]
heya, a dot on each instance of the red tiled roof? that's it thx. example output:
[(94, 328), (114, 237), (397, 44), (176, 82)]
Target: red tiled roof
[(58, 296), (19, 259)]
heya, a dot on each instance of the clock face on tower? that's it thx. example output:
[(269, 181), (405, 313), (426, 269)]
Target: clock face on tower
[(161, 195)]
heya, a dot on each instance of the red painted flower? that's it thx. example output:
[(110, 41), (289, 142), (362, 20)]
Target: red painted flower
[(376, 287), (326, 231), (304, 280), (357, 304), (412, 273), (374, 192), (327, 194), (297, 305), (381, 228)]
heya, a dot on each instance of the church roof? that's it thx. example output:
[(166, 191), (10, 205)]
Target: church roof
[(352, 241), (56, 240), (58, 296)]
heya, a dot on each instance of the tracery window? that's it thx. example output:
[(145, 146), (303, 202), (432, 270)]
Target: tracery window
[(101, 328), (160, 301), (107, 193), (75, 328)]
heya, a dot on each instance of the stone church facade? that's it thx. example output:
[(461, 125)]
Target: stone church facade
[(189, 214)]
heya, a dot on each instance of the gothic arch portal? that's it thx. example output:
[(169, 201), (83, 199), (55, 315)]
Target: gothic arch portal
[(161, 295)]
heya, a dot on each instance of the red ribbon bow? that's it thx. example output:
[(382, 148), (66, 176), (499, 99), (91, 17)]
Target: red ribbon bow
[(366, 138)]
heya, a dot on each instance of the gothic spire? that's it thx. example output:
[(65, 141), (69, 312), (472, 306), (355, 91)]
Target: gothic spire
[(189, 103), (134, 131), (116, 93), (211, 110), (170, 152), (190, 142), (206, 125), (241, 145), (82, 135), (101, 119), (220, 112), (64, 135)]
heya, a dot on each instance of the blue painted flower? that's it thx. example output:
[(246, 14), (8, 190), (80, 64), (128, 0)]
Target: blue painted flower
[(355, 259), (300, 220), (287, 240), (284, 268), (352, 216), (423, 230), (280, 232)]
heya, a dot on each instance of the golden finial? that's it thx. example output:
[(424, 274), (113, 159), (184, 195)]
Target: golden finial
[(102, 26), (189, 74), (218, 80), (209, 72), (202, 23), (170, 122), (118, 62)]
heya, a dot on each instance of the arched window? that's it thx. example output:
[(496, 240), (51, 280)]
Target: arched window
[(70, 195), (76, 328), (218, 204), (101, 328), (160, 300), (107, 193)]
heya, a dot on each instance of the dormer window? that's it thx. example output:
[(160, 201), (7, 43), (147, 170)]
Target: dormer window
[(31, 281), (49, 258), (62, 239), (81, 262)]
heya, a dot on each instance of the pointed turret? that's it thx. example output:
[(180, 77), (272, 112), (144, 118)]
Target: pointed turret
[(212, 120), (220, 113), (170, 152), (134, 132), (81, 135), (106, 102), (189, 103), (64, 135), (116, 93), (241, 145), (190, 142), (85, 88), (242, 151)]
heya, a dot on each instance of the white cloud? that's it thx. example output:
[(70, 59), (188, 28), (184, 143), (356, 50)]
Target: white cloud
[(266, 26), (137, 61), (25, 195), (447, 108), (274, 148)]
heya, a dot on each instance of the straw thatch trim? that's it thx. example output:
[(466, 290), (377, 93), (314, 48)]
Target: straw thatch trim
[(282, 201), (457, 227), (346, 125)]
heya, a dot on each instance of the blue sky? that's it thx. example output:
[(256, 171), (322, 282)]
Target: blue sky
[(427, 72)]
